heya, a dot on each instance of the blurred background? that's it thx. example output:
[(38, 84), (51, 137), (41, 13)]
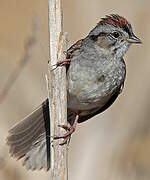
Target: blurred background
[(114, 145)]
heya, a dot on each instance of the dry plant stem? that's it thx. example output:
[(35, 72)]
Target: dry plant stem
[(57, 91)]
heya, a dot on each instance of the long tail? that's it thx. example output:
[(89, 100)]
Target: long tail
[(29, 139)]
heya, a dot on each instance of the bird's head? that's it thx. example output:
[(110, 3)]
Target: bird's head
[(114, 33)]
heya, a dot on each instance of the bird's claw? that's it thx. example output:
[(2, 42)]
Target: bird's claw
[(67, 135), (61, 63)]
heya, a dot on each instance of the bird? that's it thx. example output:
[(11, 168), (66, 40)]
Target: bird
[(96, 72)]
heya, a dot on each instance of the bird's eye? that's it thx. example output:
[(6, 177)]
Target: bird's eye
[(115, 34)]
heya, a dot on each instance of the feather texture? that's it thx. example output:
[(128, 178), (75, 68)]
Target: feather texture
[(29, 139)]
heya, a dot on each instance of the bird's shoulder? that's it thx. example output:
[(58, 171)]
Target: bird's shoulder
[(76, 47)]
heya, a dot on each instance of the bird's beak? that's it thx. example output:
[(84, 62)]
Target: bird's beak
[(134, 39)]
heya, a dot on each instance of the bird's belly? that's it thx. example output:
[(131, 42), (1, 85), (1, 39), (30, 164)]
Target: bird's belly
[(76, 104), (86, 96)]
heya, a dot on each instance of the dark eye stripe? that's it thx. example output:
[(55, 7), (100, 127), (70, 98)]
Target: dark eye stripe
[(94, 37)]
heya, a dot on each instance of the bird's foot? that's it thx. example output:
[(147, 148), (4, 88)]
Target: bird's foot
[(67, 135), (70, 130), (61, 63)]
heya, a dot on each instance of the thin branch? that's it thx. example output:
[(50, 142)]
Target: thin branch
[(28, 45), (57, 91)]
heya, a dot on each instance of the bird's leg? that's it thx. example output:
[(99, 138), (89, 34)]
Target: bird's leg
[(62, 63), (69, 132), (65, 61)]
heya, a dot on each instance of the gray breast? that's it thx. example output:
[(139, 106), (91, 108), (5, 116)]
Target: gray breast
[(91, 84)]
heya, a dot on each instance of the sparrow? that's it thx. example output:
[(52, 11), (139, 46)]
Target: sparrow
[(96, 73)]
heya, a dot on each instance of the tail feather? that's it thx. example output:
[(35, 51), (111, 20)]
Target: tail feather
[(22, 137), (29, 139)]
